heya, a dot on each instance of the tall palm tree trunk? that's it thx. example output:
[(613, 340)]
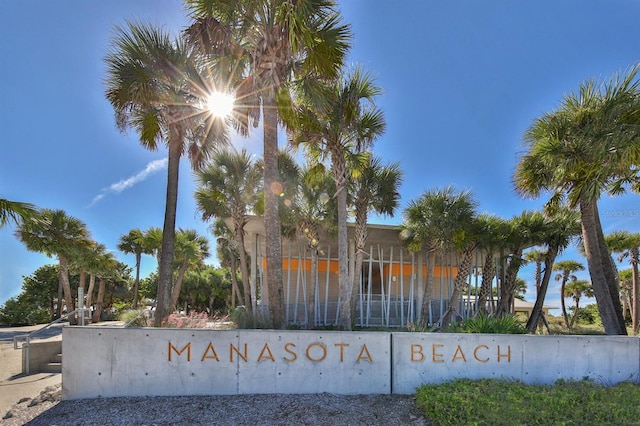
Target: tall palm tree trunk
[(165, 268), (244, 272), (311, 297), (360, 240), (66, 286), (177, 287), (563, 305), (345, 287), (99, 300), (137, 283), (235, 291), (428, 286), (458, 285), (488, 271), (635, 288), (509, 287), (600, 270), (271, 217), (536, 313)]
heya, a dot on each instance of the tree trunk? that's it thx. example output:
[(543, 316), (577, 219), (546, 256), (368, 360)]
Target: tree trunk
[(428, 286), (563, 305), (235, 291), (100, 300), (635, 301), (244, 272), (338, 164), (272, 190), (360, 237), (165, 268), (537, 312), (177, 287), (600, 271), (137, 283), (575, 313), (66, 287), (509, 286), (311, 296), (488, 272), (458, 284)]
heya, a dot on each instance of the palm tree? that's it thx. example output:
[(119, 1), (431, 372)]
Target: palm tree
[(463, 238), (133, 243), (492, 239), (560, 231), (191, 250), (576, 289), (587, 147), (627, 244), (155, 87), (270, 42), (91, 261), (525, 230), (311, 211), (429, 225), (375, 189), (344, 121), (568, 267), (228, 188), (16, 212), (55, 233), (107, 270), (538, 257), (227, 252)]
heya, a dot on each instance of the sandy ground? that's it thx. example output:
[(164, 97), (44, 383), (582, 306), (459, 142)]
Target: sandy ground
[(14, 385)]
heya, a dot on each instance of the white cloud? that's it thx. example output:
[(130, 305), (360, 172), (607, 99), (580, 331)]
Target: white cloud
[(118, 187)]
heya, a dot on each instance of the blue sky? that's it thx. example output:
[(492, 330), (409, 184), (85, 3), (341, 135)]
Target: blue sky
[(462, 81)]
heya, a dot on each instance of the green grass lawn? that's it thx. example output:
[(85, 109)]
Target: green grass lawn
[(501, 402)]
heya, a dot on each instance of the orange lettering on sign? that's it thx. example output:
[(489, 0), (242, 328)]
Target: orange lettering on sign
[(233, 349), (213, 355), (475, 353), (435, 356), (179, 352), (363, 357), (416, 350), (324, 352), (507, 355), (286, 348), (458, 355), (342, 346), (268, 351)]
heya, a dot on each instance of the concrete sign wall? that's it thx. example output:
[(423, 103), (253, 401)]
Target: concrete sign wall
[(109, 362), (420, 358)]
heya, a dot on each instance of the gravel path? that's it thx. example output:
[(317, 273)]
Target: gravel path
[(251, 410)]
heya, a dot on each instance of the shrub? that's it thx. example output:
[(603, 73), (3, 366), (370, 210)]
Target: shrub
[(136, 318), (241, 318), (483, 323), (419, 327), (193, 320)]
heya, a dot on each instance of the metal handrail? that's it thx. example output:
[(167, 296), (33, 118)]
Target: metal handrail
[(27, 337), (142, 312)]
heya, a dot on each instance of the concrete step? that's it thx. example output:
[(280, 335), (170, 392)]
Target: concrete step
[(53, 366)]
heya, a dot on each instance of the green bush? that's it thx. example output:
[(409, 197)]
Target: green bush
[(136, 318), (502, 402), (241, 318), (17, 312), (483, 323)]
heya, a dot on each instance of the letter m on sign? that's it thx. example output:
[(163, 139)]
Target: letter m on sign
[(179, 352)]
